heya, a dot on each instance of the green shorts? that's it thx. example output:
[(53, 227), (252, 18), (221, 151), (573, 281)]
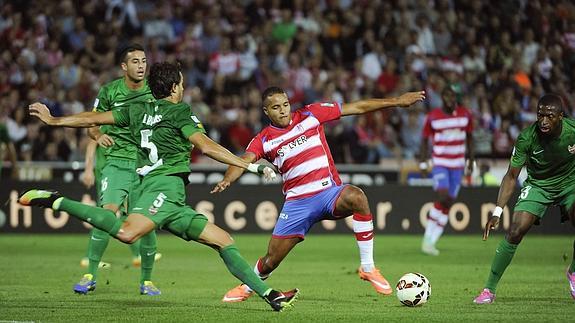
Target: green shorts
[(162, 199), (118, 180), (536, 200)]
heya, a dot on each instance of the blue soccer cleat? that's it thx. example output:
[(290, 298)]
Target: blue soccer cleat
[(148, 288), (85, 285)]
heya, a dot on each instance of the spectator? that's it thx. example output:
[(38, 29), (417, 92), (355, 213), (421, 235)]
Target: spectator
[(68, 73), (15, 124), (285, 30), (342, 50)]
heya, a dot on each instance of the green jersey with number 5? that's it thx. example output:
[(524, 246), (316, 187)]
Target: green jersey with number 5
[(550, 162), (162, 130), (116, 96)]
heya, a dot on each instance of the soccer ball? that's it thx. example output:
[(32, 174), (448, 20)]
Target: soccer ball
[(413, 289)]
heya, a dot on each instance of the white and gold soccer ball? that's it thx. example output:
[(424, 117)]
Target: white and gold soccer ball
[(413, 289)]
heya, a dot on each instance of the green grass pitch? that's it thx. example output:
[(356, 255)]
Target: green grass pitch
[(37, 273)]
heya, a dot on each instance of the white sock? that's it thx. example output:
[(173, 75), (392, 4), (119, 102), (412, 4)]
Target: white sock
[(429, 228), (257, 271), (439, 226), (363, 229)]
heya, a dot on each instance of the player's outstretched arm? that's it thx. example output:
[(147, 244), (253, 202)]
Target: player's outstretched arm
[(368, 105), (80, 120), (505, 191), (233, 173), (215, 151)]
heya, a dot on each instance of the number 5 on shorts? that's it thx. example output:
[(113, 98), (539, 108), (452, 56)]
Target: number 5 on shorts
[(159, 200)]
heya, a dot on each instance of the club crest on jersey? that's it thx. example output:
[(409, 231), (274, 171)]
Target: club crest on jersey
[(151, 120), (295, 143), (571, 149)]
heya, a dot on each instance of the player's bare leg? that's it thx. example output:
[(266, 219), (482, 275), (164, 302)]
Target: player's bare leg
[(278, 249), (353, 201), (520, 225)]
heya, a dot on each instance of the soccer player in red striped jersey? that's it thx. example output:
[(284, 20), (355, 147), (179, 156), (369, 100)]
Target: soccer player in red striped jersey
[(449, 129), (295, 144)]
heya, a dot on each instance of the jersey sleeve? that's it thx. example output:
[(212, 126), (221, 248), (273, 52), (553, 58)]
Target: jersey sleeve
[(427, 130), (324, 111), (102, 102), (188, 123), (256, 146), (121, 117), (520, 151)]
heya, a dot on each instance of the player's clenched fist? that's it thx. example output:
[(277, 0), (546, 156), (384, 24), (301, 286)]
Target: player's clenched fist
[(269, 174)]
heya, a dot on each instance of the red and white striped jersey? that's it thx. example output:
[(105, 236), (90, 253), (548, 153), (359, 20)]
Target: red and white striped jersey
[(448, 134), (300, 151)]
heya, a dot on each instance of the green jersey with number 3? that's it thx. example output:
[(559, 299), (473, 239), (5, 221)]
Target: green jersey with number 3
[(550, 162), (162, 130), (116, 96)]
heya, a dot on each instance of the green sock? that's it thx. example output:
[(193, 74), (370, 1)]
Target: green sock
[(503, 255), (572, 266), (135, 249), (148, 248), (100, 218), (96, 247), (242, 270)]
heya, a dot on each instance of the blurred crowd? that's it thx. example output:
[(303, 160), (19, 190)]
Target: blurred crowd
[(501, 56)]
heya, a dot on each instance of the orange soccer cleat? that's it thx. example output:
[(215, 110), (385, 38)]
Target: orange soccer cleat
[(238, 294), (377, 281)]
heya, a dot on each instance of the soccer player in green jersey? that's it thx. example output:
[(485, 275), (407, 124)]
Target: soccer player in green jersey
[(166, 130), (547, 149), (116, 167)]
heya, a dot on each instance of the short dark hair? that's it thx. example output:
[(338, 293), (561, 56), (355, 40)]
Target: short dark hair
[(552, 100), (271, 91), (162, 78), (128, 49)]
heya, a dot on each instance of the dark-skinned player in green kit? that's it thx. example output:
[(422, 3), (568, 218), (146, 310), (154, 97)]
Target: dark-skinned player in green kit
[(547, 150)]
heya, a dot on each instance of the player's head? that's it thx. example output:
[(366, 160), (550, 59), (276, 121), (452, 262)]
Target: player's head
[(549, 113), (449, 98), (166, 80), (133, 62), (276, 106)]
